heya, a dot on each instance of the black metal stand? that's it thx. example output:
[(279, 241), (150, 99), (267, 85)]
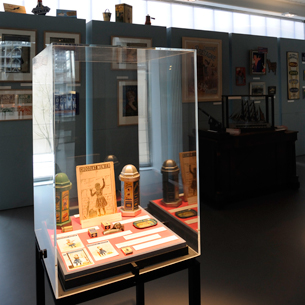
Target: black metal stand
[(137, 281)]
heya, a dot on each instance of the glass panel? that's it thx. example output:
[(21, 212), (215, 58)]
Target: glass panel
[(273, 26), (258, 25), (161, 11), (241, 23), (287, 29), (223, 21), (182, 16), (86, 130), (43, 160), (299, 30), (203, 19)]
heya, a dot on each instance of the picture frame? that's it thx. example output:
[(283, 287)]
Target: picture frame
[(257, 88), (61, 37), (293, 76), (209, 70), (240, 76), (127, 102), (18, 47), (257, 62), (66, 38), (15, 104), (126, 58)]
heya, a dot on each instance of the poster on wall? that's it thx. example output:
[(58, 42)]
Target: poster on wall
[(209, 70), (293, 79)]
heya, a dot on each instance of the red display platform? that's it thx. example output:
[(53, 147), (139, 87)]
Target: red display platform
[(72, 275), (186, 228)]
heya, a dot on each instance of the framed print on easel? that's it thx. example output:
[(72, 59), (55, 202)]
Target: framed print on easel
[(209, 70), (18, 47)]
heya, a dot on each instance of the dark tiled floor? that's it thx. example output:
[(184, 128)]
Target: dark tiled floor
[(253, 253)]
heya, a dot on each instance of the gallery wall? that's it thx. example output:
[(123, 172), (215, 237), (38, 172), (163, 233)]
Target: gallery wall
[(16, 166), (16, 155)]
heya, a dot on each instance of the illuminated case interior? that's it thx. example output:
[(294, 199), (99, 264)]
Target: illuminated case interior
[(81, 117)]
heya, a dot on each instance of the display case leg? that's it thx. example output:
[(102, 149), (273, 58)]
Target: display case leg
[(40, 283), (140, 294), (194, 282)]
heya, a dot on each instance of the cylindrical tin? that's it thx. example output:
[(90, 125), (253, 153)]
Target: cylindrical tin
[(107, 15), (170, 182), (130, 188)]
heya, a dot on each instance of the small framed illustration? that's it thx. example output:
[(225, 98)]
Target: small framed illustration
[(127, 102), (209, 70), (65, 38), (18, 47), (15, 105), (257, 62), (257, 88), (240, 76), (126, 57)]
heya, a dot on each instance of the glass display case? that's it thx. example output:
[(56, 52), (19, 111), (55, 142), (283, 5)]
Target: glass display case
[(248, 112), (116, 179)]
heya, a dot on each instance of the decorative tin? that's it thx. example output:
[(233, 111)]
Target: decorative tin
[(186, 213), (145, 223), (130, 187), (170, 181), (123, 13), (127, 250), (63, 187)]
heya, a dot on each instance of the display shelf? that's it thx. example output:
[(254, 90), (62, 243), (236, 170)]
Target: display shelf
[(158, 239)]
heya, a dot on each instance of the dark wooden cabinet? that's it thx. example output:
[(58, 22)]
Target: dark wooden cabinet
[(250, 164)]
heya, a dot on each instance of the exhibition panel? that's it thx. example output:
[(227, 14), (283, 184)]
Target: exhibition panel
[(99, 208)]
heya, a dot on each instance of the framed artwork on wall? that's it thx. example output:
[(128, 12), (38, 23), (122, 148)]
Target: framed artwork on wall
[(293, 78), (61, 37), (66, 38), (257, 62), (240, 76), (126, 58), (209, 70), (18, 47), (15, 105), (127, 102), (257, 88)]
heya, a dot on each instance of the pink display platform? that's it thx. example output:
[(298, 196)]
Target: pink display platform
[(187, 228), (75, 276)]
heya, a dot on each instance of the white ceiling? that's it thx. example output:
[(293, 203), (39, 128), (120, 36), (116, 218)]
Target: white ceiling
[(269, 7)]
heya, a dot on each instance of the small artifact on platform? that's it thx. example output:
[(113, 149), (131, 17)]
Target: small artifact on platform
[(106, 225), (170, 183), (145, 223), (40, 9), (67, 229), (117, 227), (186, 213), (92, 233), (127, 250)]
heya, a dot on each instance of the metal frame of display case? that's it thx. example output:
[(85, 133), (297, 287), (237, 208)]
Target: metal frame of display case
[(137, 279)]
